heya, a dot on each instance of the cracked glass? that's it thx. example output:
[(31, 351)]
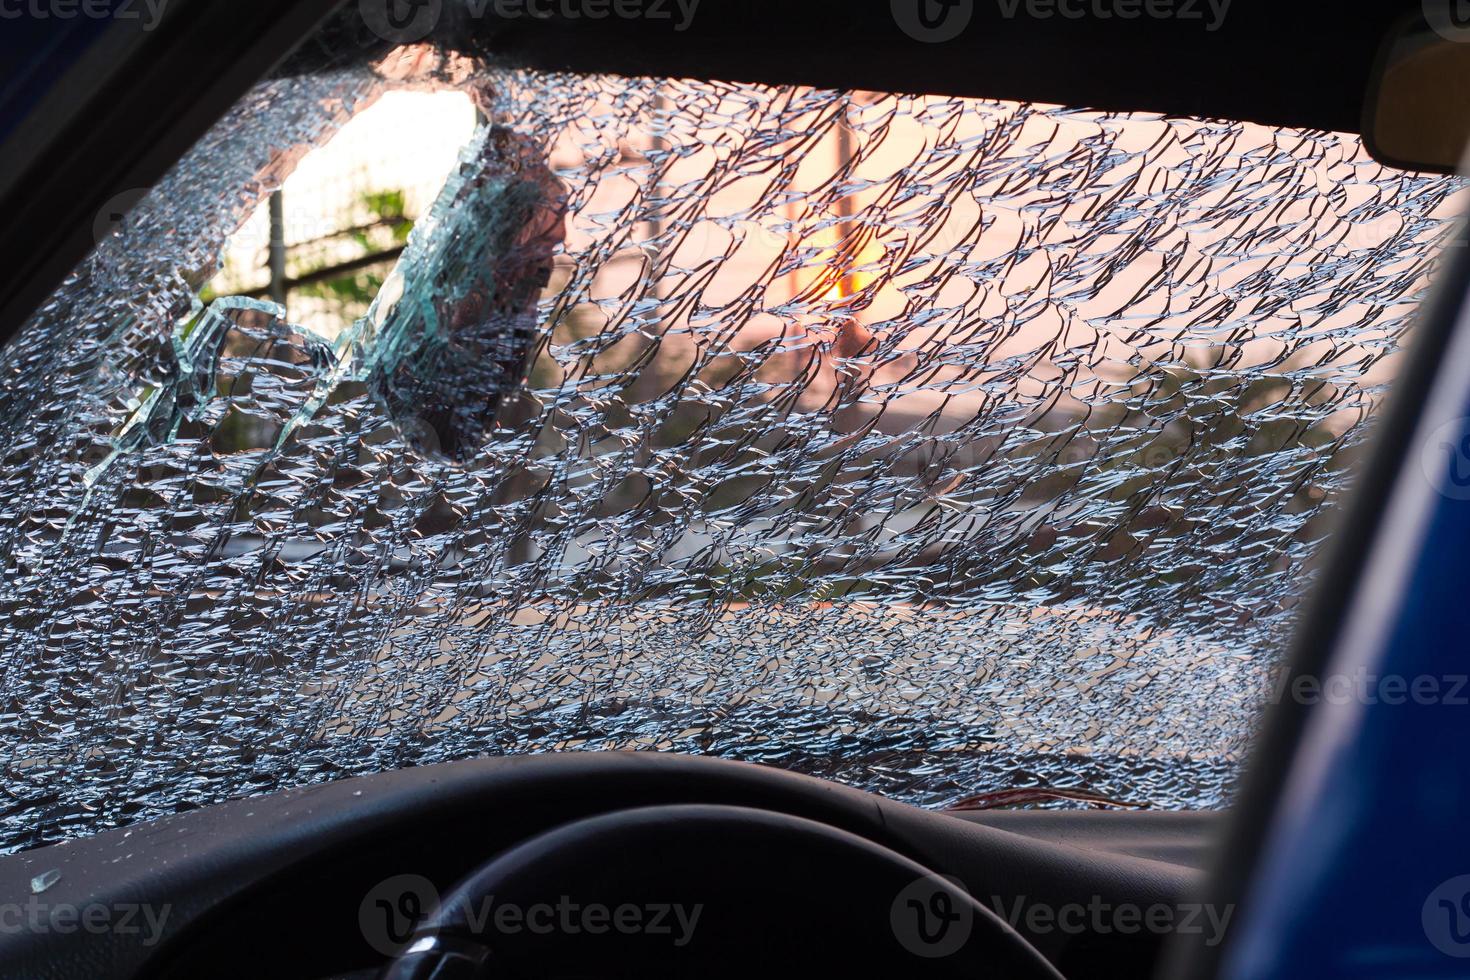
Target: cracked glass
[(932, 445)]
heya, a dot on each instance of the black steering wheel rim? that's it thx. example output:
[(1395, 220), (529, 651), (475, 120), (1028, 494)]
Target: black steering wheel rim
[(710, 890)]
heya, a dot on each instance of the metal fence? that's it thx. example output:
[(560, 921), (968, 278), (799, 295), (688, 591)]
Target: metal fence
[(330, 236)]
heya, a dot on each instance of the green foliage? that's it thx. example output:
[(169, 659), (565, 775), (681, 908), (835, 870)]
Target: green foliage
[(354, 289), (389, 208)]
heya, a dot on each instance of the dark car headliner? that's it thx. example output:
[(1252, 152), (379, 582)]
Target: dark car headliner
[(1279, 62), (132, 108)]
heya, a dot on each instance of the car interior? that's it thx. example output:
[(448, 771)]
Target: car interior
[(673, 665)]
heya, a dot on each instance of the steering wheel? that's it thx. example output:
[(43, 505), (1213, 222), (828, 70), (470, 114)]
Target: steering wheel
[(709, 891)]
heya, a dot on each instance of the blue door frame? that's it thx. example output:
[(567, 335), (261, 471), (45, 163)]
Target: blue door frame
[(1363, 863)]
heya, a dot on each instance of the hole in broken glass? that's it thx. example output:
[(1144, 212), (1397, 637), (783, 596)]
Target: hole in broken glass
[(450, 319)]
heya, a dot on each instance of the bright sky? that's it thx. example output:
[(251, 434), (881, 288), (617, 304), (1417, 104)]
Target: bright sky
[(405, 141)]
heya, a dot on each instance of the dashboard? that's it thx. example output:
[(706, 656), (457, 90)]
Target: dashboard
[(284, 885)]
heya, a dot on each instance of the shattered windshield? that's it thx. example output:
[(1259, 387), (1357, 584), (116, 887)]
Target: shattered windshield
[(933, 445)]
